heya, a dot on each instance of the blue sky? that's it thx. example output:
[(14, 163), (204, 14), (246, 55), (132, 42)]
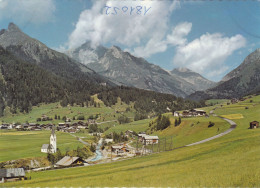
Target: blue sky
[(209, 37)]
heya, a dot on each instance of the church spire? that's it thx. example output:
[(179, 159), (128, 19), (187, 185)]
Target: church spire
[(53, 130)]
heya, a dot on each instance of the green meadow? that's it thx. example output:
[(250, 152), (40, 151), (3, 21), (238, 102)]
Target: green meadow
[(26, 144), (231, 160), (104, 113)]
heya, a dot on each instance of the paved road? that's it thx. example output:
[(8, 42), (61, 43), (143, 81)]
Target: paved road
[(232, 127)]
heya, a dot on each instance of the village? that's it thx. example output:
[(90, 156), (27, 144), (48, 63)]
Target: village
[(107, 148)]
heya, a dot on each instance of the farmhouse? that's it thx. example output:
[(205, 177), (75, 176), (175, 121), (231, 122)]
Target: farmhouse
[(150, 140), (12, 174), (176, 114), (254, 124), (234, 100), (193, 112), (140, 137), (108, 140), (70, 161), (117, 149)]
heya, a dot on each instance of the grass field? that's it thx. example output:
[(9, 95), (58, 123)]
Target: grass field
[(192, 130), (137, 126), (24, 144), (106, 113), (231, 160)]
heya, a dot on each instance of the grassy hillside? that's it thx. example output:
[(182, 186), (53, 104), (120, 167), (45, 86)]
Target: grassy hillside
[(231, 160), (105, 113), (24, 144)]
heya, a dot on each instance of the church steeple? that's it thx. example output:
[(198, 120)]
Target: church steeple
[(53, 140)]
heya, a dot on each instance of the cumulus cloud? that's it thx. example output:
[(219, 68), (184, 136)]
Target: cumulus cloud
[(175, 38), (24, 11), (208, 53), (124, 28)]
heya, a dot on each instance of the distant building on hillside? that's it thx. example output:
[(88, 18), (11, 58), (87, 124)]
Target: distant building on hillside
[(70, 161), (193, 112), (254, 124), (12, 174), (147, 140), (52, 147), (176, 114)]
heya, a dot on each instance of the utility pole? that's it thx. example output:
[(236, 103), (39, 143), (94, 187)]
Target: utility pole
[(111, 154), (136, 146), (165, 144), (171, 143), (158, 146)]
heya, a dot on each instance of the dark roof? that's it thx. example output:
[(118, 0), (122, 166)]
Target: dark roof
[(11, 172), (67, 160), (45, 146)]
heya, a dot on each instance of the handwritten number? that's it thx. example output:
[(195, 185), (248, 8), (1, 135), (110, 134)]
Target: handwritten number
[(115, 10), (145, 11), (107, 9), (138, 9), (125, 8)]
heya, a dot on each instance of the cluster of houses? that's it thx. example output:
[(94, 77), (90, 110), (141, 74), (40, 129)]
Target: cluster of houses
[(120, 149), (190, 113), (64, 127), (147, 139)]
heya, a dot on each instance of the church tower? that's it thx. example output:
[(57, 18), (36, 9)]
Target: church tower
[(53, 141)]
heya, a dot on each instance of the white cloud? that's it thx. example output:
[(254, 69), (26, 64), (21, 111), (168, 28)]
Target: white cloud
[(177, 37), (130, 30), (208, 53), (24, 11), (155, 45)]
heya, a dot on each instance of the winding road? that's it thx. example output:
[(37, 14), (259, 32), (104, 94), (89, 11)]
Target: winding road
[(232, 127)]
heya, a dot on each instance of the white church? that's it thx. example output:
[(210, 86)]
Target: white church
[(52, 147)]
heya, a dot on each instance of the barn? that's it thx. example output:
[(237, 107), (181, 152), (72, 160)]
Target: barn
[(254, 124), (70, 161), (12, 174)]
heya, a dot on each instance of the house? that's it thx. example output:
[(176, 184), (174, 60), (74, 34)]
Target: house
[(254, 124), (200, 113), (12, 174), (70, 161), (234, 100), (193, 112), (46, 148), (4, 126), (117, 149), (186, 113), (176, 114), (108, 140), (150, 140), (140, 136)]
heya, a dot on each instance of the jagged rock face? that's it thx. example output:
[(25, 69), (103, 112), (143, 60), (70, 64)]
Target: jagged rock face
[(33, 51), (199, 82), (124, 68), (243, 80)]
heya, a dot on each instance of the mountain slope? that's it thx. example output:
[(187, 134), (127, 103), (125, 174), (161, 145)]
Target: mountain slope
[(199, 82), (33, 51), (23, 85), (243, 80), (126, 69)]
